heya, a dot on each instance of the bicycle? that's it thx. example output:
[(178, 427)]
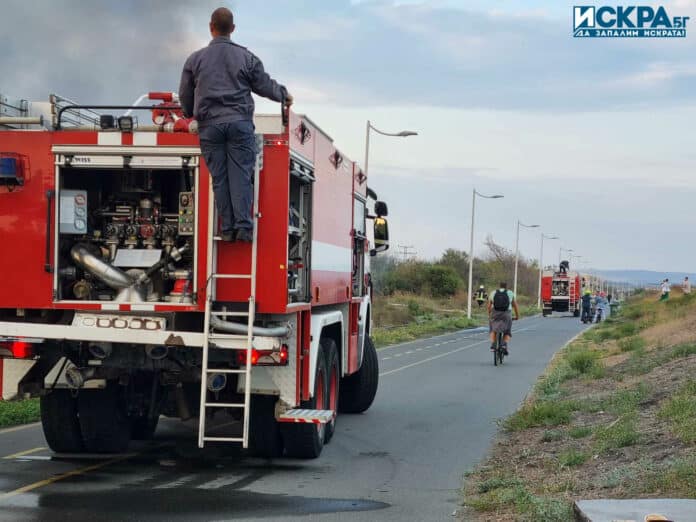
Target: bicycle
[(499, 352)]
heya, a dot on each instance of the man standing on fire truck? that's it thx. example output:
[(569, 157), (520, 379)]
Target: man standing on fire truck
[(216, 86)]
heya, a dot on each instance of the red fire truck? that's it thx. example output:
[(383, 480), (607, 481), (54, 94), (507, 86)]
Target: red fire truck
[(560, 290), (123, 305)]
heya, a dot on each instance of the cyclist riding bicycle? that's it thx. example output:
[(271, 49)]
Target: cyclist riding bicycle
[(500, 307)]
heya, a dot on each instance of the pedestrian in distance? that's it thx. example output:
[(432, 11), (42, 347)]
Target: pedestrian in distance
[(216, 86), (500, 307), (586, 306), (686, 285), (481, 296), (664, 290)]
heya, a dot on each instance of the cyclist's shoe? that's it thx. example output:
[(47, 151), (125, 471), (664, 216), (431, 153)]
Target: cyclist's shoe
[(493, 347), (505, 349)]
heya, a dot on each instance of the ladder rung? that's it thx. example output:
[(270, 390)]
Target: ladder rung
[(229, 314), (224, 404), (223, 439), (231, 276), (224, 370)]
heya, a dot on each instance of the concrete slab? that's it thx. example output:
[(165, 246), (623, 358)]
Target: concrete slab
[(608, 510)]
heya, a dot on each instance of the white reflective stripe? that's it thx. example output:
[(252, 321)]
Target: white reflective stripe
[(110, 306), (144, 138), (142, 307), (109, 138), (331, 258)]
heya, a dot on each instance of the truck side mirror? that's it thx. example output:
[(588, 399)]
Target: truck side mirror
[(381, 228), (381, 209)]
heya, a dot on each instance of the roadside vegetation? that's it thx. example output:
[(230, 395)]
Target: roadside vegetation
[(416, 298), (19, 412), (613, 417)]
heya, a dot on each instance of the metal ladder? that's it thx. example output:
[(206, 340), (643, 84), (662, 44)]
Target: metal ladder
[(229, 341)]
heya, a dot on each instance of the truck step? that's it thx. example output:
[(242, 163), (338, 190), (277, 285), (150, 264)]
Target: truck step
[(229, 314), (223, 439), (225, 370), (224, 405), (313, 416)]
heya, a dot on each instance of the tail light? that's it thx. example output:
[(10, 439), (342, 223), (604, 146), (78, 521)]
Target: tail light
[(265, 357), (16, 349)]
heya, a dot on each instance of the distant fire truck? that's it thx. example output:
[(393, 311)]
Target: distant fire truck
[(560, 290), (121, 304)]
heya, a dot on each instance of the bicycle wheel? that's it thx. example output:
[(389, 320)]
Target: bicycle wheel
[(501, 348), (498, 352)]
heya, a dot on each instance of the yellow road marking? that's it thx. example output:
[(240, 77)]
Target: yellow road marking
[(18, 428), (25, 452), (62, 476)]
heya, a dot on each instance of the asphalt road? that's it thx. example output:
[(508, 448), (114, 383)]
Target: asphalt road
[(403, 460)]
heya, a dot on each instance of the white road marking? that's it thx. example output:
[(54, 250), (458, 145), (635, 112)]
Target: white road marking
[(220, 482), (409, 352), (439, 356), (176, 483), (386, 358), (418, 349), (398, 355)]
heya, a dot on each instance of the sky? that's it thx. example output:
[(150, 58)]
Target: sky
[(593, 139)]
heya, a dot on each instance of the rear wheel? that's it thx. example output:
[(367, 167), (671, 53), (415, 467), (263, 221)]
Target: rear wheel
[(306, 440), (332, 384), (358, 390), (60, 423), (103, 421)]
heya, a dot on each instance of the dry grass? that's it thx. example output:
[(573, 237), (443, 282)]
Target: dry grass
[(626, 431)]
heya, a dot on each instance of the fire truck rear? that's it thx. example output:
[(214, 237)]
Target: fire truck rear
[(560, 290), (121, 305)]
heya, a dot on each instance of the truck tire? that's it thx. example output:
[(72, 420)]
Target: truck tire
[(60, 424), (306, 440), (264, 431), (103, 421), (358, 390), (333, 380)]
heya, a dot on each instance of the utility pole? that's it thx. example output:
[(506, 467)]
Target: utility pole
[(407, 251)]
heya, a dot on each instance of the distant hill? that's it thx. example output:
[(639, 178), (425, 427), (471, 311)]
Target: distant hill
[(643, 277)]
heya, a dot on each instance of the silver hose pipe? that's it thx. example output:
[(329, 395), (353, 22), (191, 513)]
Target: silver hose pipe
[(106, 273), (241, 328)]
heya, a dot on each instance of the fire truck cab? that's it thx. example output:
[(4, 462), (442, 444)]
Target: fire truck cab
[(122, 304)]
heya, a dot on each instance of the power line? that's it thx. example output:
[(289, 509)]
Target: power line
[(407, 251)]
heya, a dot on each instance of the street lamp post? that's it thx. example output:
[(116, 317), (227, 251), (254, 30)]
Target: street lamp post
[(471, 245), (517, 252), (560, 253), (541, 264), (402, 134)]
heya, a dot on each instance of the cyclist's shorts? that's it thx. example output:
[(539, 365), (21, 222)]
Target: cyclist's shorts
[(501, 322)]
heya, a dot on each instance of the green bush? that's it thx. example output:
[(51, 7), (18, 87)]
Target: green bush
[(584, 362), (619, 434), (19, 412), (541, 413), (681, 411), (572, 457), (630, 344), (580, 432)]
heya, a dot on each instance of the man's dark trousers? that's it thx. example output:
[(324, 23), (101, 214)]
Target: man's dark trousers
[(229, 150)]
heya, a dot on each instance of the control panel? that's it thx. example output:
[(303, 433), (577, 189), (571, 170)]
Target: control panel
[(186, 214), (72, 216)]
